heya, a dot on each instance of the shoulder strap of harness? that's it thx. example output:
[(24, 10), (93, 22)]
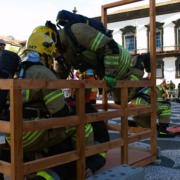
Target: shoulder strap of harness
[(140, 94), (68, 31), (24, 66)]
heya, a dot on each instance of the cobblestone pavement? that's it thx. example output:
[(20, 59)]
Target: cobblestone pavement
[(169, 167)]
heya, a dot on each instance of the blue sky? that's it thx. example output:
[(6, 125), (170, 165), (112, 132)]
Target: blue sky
[(18, 18)]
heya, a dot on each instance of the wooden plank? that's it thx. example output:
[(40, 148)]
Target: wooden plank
[(6, 84), (50, 84), (4, 126), (119, 3), (93, 117), (104, 147), (113, 106), (140, 136), (16, 134), (34, 166), (80, 133), (104, 16), (134, 156), (119, 83), (99, 106), (50, 123), (130, 129), (140, 110), (144, 161), (5, 168), (43, 84)]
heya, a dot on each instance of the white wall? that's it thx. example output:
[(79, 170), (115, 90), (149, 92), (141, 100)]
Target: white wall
[(168, 38), (141, 29)]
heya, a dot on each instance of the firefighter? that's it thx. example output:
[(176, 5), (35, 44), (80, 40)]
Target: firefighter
[(90, 49), (94, 162), (36, 64), (171, 90), (163, 110), (38, 104)]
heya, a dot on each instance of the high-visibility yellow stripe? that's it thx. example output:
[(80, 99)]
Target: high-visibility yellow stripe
[(28, 137), (97, 41), (53, 95), (25, 95), (111, 60), (94, 90), (48, 174), (159, 99), (103, 154), (124, 62), (45, 175), (88, 131)]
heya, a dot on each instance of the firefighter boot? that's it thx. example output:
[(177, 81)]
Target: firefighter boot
[(163, 133)]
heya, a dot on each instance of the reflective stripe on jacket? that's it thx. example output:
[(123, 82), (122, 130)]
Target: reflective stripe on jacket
[(46, 100), (48, 174)]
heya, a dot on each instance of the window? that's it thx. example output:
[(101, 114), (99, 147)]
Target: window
[(177, 33), (129, 41), (178, 37), (177, 64), (178, 73), (160, 69), (158, 38)]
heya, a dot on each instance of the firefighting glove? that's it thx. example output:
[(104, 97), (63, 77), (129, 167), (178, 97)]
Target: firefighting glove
[(111, 83)]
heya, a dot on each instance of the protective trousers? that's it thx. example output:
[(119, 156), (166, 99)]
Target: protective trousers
[(134, 74), (162, 110)]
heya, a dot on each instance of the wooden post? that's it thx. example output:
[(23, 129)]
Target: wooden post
[(16, 128), (80, 132), (124, 125), (152, 12)]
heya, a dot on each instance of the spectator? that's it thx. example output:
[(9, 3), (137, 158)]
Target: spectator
[(2, 45), (178, 98), (171, 90), (164, 84)]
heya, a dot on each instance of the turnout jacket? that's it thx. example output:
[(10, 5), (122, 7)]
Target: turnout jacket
[(40, 104), (99, 53)]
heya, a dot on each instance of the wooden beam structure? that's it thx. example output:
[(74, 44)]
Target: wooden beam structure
[(17, 168)]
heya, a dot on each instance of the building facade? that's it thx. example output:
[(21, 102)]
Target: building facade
[(131, 30), (13, 44)]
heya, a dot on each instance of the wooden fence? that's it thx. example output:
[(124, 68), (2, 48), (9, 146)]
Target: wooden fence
[(17, 168)]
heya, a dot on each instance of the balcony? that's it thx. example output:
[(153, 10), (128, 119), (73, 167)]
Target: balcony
[(160, 51)]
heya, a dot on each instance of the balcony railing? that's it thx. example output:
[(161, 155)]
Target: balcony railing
[(159, 50)]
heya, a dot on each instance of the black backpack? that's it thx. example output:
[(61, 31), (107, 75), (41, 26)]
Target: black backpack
[(65, 17), (9, 62)]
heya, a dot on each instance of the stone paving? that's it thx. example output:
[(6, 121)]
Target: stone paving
[(169, 166)]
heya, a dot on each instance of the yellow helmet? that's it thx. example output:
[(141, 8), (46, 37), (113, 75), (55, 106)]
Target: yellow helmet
[(161, 90), (46, 30), (40, 43)]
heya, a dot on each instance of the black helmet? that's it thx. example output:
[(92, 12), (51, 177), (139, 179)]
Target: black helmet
[(9, 62), (52, 26)]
